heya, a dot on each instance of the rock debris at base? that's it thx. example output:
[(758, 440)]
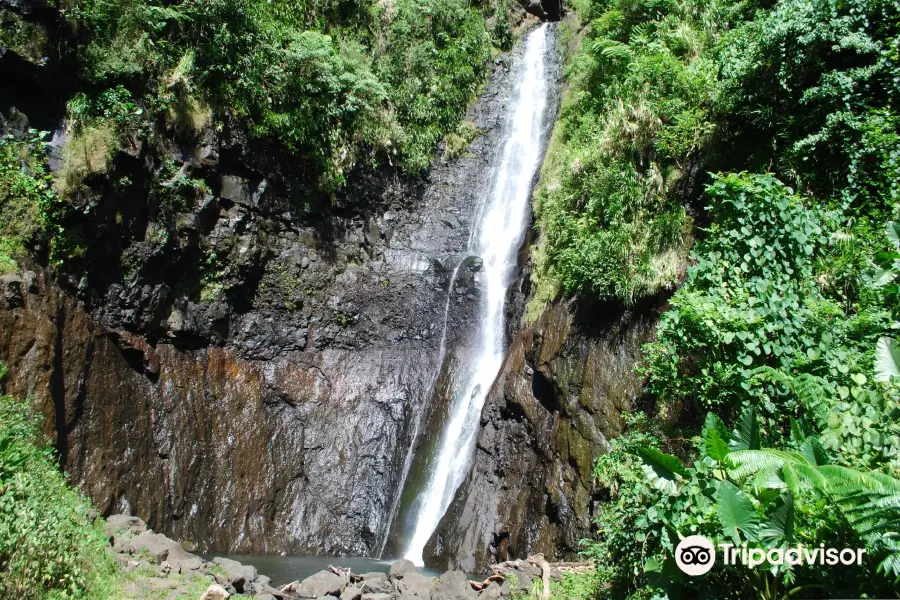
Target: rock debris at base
[(161, 564)]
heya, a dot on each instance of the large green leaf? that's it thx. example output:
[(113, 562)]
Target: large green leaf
[(664, 465), (779, 527), (714, 436), (660, 571), (746, 435), (814, 452), (797, 434), (887, 359), (893, 233), (736, 513)]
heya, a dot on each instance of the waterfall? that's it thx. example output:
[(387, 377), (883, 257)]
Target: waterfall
[(496, 239)]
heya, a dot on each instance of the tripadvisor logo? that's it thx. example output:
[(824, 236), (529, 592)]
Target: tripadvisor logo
[(695, 555)]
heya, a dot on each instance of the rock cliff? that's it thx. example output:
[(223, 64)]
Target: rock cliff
[(557, 400), (249, 371), (252, 371)]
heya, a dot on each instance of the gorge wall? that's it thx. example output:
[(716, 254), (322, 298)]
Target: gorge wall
[(559, 397), (272, 405)]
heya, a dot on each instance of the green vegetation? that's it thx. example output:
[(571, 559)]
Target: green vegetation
[(50, 546), (281, 287), (756, 336), (774, 127), (663, 91), (458, 141), (628, 136), (29, 206), (333, 83), (24, 38)]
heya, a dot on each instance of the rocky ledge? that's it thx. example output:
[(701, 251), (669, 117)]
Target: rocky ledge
[(160, 566), (513, 579)]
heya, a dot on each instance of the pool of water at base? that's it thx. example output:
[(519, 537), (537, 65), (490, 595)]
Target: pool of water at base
[(285, 569)]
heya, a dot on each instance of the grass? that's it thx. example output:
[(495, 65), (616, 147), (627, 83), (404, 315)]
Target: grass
[(87, 152)]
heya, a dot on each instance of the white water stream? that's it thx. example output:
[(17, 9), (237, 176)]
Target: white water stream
[(496, 240)]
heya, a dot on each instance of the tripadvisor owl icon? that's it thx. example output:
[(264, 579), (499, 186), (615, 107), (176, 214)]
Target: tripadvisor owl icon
[(695, 555)]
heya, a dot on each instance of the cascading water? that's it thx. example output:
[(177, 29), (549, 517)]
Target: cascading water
[(505, 215)]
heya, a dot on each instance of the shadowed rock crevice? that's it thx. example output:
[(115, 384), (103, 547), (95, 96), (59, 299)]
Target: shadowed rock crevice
[(542, 389)]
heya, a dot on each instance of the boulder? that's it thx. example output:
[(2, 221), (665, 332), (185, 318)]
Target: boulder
[(351, 593), (377, 597), (155, 546), (323, 583), (454, 585), (215, 592), (119, 523), (238, 575), (401, 568), (260, 591), (181, 561), (376, 583), (492, 592), (262, 585), (416, 585)]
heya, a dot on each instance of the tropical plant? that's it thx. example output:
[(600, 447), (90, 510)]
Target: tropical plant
[(49, 543), (738, 491)]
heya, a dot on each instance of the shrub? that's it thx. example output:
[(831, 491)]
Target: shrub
[(739, 490), (432, 63), (631, 128), (26, 195), (809, 85), (49, 544), (22, 37), (753, 299), (458, 141)]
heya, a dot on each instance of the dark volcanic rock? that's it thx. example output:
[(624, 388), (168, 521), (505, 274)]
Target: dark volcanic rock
[(559, 396), (251, 377), (323, 583), (401, 568), (454, 585)]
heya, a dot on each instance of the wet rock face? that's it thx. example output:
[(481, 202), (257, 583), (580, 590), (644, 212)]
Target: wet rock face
[(559, 396), (273, 409), (546, 10), (297, 454)]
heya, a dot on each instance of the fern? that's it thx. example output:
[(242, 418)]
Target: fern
[(869, 501), (611, 49), (815, 393)]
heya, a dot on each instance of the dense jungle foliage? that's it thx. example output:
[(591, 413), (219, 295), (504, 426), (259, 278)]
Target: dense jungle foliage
[(321, 86), (49, 543), (765, 135), (332, 82)]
